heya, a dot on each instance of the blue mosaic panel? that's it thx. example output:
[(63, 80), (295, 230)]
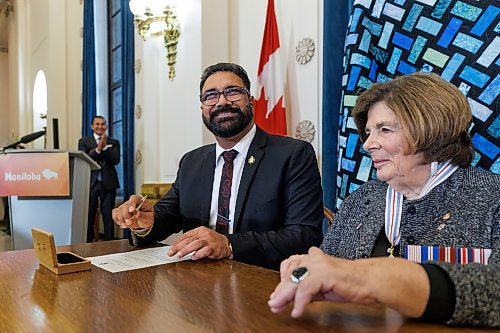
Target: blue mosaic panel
[(415, 11), (458, 40), (449, 32)]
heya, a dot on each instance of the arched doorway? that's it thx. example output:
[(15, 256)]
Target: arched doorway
[(40, 107)]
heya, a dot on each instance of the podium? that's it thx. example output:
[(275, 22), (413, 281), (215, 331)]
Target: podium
[(65, 216)]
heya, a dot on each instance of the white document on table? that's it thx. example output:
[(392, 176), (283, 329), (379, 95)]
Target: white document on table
[(126, 261)]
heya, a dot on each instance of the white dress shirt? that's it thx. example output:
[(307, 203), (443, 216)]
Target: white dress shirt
[(239, 162)]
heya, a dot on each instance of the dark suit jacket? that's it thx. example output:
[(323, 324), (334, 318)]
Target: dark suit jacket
[(279, 209), (107, 159)]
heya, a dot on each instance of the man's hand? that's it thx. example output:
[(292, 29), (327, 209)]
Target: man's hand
[(104, 141), (204, 241), (124, 215)]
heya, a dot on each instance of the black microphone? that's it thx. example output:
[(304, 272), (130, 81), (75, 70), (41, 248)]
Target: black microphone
[(32, 137), (25, 139)]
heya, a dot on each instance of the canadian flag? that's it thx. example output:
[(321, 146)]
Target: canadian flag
[(270, 105)]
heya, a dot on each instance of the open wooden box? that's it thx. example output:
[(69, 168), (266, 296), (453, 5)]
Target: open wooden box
[(59, 263)]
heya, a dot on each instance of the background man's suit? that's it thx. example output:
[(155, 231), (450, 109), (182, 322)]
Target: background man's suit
[(106, 187), (279, 208)]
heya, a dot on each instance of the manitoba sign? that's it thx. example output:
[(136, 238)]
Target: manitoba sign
[(34, 174)]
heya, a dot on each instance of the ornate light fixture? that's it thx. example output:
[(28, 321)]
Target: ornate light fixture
[(6, 7), (156, 18)]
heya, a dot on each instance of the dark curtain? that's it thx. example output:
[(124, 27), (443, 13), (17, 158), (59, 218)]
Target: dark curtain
[(336, 17), (128, 100), (88, 71)]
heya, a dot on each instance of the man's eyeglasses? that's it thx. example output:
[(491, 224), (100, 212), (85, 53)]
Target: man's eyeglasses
[(232, 94)]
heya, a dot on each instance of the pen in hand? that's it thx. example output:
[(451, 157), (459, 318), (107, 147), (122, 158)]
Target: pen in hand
[(138, 207)]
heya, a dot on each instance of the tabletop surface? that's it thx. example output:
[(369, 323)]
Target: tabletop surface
[(191, 296)]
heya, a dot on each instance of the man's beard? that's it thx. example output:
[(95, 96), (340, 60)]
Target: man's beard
[(227, 128)]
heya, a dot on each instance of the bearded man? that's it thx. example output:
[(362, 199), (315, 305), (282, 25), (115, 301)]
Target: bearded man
[(252, 196)]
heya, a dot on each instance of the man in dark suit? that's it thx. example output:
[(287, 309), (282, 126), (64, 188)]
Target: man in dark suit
[(260, 192), (104, 182)]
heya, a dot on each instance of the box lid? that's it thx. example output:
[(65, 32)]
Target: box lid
[(45, 248)]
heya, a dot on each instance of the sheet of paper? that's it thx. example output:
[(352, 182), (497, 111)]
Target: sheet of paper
[(126, 261)]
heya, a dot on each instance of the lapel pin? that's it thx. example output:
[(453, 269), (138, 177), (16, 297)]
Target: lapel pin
[(447, 216), (441, 226), (251, 160)]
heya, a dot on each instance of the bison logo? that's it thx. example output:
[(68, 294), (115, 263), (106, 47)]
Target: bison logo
[(49, 174)]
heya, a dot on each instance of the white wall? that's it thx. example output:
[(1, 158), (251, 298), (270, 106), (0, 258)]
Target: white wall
[(171, 123), (45, 34), (70, 121), (4, 99), (39, 59), (17, 49), (215, 40), (230, 30), (297, 19)]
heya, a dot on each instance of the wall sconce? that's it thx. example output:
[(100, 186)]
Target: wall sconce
[(7, 7), (156, 18)]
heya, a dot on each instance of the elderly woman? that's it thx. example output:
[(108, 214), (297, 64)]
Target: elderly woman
[(431, 220)]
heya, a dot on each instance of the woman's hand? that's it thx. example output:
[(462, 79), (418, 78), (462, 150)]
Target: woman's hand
[(330, 278), (397, 283)]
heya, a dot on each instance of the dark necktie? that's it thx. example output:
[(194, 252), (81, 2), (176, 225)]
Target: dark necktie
[(226, 181)]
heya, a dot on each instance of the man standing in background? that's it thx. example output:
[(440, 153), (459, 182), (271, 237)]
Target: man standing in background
[(104, 182)]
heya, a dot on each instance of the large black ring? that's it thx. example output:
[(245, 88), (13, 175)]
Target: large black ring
[(299, 274)]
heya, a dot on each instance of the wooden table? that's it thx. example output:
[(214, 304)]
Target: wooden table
[(192, 296)]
